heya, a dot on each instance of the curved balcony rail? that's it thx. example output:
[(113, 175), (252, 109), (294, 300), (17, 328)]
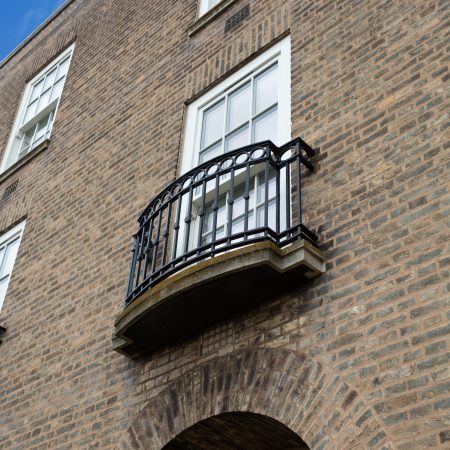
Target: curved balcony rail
[(241, 197)]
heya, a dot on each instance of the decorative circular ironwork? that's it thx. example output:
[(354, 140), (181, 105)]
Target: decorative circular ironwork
[(185, 210)]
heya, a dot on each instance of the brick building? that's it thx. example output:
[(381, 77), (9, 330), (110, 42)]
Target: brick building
[(290, 294)]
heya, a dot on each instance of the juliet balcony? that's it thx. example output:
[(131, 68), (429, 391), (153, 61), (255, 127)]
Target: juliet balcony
[(220, 239)]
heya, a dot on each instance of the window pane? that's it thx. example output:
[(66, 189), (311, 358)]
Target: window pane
[(239, 107), (210, 153), (266, 89), (209, 216), (220, 233), (3, 290), (262, 186), (50, 79), (57, 90), (272, 216), (40, 131), (2, 254), (239, 201), (238, 139), (30, 112), (50, 123), (238, 224), (212, 128), (11, 253), (28, 135), (63, 67), (212, 3), (44, 100), (266, 126), (36, 91)]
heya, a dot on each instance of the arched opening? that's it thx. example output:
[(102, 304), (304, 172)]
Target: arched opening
[(237, 431)]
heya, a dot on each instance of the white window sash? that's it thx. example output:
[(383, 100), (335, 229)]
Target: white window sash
[(6, 239), (280, 53), (13, 147), (206, 5)]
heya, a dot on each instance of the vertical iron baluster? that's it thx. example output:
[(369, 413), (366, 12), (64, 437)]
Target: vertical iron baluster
[(188, 219), (278, 197), (299, 185), (156, 243), (166, 233), (133, 266), (266, 191), (247, 199), (215, 208), (148, 244), (201, 214), (176, 228), (288, 198), (141, 234), (230, 207)]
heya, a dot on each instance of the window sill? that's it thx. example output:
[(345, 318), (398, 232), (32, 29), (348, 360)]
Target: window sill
[(22, 161), (209, 16)]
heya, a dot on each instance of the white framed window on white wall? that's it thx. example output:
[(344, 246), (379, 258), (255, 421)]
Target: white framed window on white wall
[(37, 111), (206, 5), (9, 247), (252, 105)]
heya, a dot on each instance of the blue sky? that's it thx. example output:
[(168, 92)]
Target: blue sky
[(19, 18)]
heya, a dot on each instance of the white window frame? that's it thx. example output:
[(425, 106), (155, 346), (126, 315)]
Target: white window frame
[(6, 239), (194, 117), (205, 6), (11, 155), (279, 53)]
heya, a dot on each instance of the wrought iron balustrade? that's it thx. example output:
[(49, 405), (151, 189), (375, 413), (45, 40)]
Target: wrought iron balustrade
[(238, 198)]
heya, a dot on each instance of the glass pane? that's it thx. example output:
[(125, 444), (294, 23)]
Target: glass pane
[(210, 153), (63, 67), (36, 91), (27, 140), (57, 90), (206, 239), (237, 139), (40, 131), (3, 290), (238, 224), (44, 100), (11, 253), (239, 201), (272, 215), (262, 186), (30, 112), (209, 216), (213, 3), (220, 233), (50, 123), (239, 107), (50, 79), (212, 127), (2, 254), (266, 127), (266, 89)]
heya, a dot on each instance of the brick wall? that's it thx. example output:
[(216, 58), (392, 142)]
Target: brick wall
[(368, 81)]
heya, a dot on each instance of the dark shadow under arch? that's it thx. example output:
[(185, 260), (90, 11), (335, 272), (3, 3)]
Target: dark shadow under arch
[(237, 431)]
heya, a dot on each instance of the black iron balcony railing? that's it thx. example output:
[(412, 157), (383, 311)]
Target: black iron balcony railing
[(241, 197)]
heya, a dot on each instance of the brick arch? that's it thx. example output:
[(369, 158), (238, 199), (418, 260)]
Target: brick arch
[(301, 393)]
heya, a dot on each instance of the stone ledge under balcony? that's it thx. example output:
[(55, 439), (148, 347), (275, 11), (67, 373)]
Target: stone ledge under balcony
[(211, 291)]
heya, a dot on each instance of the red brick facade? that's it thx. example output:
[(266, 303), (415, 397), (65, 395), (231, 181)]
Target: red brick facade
[(368, 89)]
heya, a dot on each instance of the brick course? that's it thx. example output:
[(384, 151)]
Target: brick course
[(368, 89)]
